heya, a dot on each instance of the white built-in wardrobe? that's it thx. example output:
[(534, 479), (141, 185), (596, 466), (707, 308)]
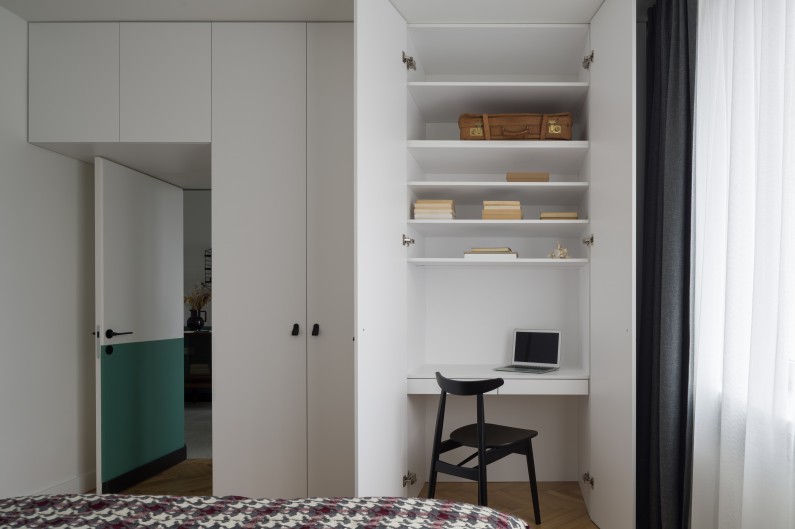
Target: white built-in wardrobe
[(275, 101), (282, 171), (422, 307)]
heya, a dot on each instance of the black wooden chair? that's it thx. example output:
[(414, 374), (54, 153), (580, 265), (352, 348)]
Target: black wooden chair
[(492, 441)]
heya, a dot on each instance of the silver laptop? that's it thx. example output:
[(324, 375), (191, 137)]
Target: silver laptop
[(534, 351)]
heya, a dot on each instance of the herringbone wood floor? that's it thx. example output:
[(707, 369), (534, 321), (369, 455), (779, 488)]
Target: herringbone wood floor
[(561, 503), (562, 506), (192, 477)]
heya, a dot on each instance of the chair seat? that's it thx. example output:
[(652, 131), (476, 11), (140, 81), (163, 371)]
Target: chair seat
[(496, 435)]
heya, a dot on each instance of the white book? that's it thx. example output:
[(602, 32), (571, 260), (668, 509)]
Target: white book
[(491, 256), (419, 216)]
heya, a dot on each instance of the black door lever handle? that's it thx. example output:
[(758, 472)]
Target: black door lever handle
[(315, 329), (295, 329), (110, 333)]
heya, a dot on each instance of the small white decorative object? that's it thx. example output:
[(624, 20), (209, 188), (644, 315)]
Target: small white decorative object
[(559, 253)]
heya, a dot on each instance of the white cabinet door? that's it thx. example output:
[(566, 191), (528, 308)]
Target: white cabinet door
[(165, 82), (611, 401), (73, 82), (330, 374), (259, 259), (381, 276)]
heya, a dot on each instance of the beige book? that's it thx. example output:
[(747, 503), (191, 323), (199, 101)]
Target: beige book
[(527, 177), (501, 208), (559, 215), (500, 249), (502, 216), (439, 201), (433, 208), (501, 203)]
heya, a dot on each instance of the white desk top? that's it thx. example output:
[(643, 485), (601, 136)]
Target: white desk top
[(565, 381)]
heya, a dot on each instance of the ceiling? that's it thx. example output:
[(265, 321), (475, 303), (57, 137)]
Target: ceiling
[(181, 10)]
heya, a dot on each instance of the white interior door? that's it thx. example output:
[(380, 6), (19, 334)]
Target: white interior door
[(381, 278), (611, 501), (139, 371)]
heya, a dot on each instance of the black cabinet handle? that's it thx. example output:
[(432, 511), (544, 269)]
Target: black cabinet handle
[(110, 333), (315, 329), (295, 329)]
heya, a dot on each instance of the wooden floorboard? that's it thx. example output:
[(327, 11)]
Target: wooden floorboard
[(562, 506), (192, 477)]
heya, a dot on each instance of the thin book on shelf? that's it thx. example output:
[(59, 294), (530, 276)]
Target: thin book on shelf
[(497, 249), (527, 177), (490, 256), (501, 203), (559, 215)]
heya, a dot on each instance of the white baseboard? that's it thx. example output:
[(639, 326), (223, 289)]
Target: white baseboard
[(77, 485)]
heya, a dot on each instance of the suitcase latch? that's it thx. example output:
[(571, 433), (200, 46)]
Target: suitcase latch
[(476, 131), (553, 127)]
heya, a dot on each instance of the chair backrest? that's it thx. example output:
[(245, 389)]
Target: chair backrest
[(468, 387)]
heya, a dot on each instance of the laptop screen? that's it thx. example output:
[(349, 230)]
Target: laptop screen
[(536, 348)]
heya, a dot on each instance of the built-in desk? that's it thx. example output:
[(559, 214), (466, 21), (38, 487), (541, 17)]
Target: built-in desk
[(565, 381)]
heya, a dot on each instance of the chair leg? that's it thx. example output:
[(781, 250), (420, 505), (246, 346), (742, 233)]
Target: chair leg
[(531, 471), (481, 429), (482, 494), (432, 480)]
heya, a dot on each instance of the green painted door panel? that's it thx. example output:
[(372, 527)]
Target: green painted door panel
[(142, 404)]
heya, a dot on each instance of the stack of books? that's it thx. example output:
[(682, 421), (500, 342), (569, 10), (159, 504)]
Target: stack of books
[(559, 215), (527, 177), (490, 253), (434, 209), (502, 210)]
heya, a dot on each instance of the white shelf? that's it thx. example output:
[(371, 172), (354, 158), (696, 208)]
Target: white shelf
[(500, 228), (443, 102), (494, 157), (528, 193), (565, 381), (450, 262)]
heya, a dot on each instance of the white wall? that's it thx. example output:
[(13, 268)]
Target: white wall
[(197, 238), (46, 298)]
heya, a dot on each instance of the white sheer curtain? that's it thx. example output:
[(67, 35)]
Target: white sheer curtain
[(744, 456)]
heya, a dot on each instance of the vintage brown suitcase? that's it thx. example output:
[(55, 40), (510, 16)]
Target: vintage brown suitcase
[(515, 126)]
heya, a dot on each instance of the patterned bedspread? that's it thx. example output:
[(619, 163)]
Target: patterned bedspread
[(122, 512)]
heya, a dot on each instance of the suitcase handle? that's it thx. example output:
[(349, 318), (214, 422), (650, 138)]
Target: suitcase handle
[(515, 133)]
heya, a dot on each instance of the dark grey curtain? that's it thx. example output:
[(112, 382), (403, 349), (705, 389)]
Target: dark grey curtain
[(664, 359)]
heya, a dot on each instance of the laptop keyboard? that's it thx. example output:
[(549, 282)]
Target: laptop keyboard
[(522, 369)]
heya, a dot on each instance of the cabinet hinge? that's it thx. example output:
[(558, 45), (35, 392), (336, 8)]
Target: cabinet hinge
[(587, 61), (410, 478), (586, 478), (588, 241), (407, 241), (409, 62)]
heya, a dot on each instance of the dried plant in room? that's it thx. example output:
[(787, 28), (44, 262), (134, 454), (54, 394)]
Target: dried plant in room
[(197, 299)]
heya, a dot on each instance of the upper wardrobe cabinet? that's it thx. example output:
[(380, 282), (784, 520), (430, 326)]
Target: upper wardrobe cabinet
[(74, 82), (165, 82), (111, 82)]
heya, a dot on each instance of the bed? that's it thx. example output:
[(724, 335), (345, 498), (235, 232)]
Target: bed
[(122, 512)]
